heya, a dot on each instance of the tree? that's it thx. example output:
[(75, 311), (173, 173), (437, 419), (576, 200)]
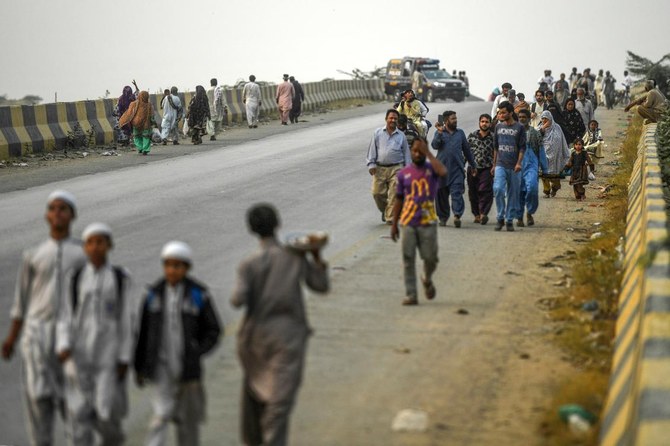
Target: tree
[(31, 99), (645, 68)]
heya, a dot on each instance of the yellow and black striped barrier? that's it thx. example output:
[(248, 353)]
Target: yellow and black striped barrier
[(638, 402), (42, 128)]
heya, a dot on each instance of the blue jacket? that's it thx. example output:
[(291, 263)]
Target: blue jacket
[(453, 150), (200, 324)]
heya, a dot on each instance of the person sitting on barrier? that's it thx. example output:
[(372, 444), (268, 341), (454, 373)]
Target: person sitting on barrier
[(652, 105)]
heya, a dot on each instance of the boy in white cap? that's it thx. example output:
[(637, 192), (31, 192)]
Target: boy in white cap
[(38, 293), (178, 325), (93, 342)]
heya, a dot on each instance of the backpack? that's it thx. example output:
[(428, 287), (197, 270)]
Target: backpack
[(119, 276)]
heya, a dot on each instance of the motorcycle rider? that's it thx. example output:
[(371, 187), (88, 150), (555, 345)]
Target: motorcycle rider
[(415, 110)]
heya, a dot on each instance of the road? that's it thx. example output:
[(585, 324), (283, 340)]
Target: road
[(370, 357)]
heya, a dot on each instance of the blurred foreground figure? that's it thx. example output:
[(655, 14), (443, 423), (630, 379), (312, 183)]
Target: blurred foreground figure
[(272, 341)]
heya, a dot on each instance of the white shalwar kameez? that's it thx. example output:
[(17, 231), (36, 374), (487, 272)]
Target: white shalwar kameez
[(251, 95), (36, 303), (217, 109), (98, 334), (169, 123)]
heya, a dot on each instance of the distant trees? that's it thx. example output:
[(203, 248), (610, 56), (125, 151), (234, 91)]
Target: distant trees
[(29, 99), (645, 68)]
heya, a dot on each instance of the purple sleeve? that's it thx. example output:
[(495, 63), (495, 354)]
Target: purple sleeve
[(400, 188)]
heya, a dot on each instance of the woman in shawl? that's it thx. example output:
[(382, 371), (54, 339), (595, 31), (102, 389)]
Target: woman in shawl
[(556, 149), (573, 124), (140, 116), (198, 114), (121, 106)]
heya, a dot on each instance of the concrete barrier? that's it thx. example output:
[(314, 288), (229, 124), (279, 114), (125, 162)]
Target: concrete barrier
[(638, 402), (43, 128)]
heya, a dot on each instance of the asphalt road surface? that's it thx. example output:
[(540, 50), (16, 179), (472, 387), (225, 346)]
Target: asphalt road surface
[(370, 357)]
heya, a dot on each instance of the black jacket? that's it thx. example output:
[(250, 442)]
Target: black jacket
[(201, 329)]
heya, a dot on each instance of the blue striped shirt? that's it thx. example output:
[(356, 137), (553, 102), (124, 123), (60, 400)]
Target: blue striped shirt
[(388, 149)]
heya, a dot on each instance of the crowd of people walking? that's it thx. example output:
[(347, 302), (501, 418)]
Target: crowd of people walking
[(556, 137), (205, 114)]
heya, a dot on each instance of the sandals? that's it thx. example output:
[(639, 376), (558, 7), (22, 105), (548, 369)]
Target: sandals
[(429, 289)]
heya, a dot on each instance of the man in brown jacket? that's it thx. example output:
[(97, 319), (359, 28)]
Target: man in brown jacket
[(652, 105)]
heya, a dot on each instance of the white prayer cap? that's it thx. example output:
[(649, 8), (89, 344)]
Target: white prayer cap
[(65, 196), (96, 229), (177, 250)]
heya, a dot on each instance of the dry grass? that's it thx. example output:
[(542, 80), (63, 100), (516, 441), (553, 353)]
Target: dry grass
[(587, 337), (586, 389)]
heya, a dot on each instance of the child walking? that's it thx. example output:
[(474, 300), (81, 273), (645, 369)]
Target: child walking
[(178, 325), (580, 162), (93, 342)]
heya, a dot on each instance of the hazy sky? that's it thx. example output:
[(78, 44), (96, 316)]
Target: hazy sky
[(80, 48)]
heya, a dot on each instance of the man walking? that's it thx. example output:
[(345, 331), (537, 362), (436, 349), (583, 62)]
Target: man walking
[(537, 107), (452, 151), (502, 97), (609, 88), (627, 83), (298, 98), (561, 95), (284, 99), (509, 144), (534, 159), (172, 113), (217, 109), (562, 82), (584, 107), (251, 98), (36, 304), (387, 154), (480, 181), (272, 340), (414, 210)]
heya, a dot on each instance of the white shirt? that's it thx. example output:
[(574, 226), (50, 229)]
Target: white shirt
[(168, 111), (251, 92), (627, 81), (172, 344), (98, 330), (41, 275), (496, 103)]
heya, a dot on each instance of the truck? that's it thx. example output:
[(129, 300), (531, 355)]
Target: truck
[(437, 83)]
